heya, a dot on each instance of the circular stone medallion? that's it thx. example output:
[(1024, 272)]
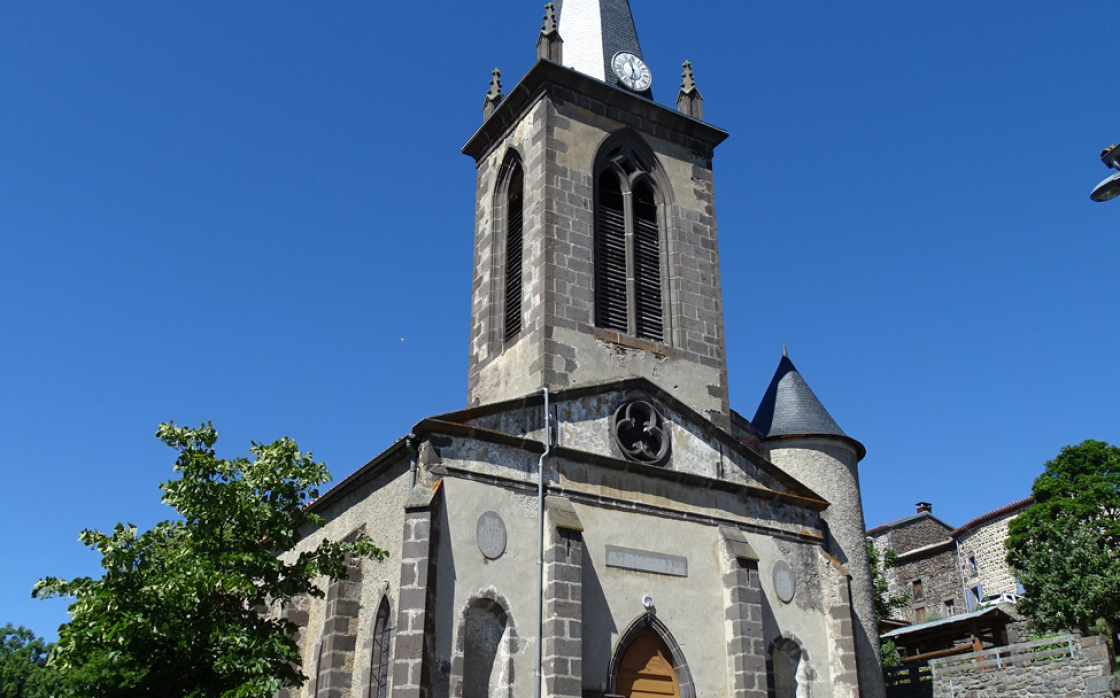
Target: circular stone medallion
[(491, 535), (784, 584)]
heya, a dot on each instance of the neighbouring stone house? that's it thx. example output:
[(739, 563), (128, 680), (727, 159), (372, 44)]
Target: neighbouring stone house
[(598, 521), (948, 571)]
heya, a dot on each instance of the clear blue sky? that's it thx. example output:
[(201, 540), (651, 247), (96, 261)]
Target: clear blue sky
[(256, 213)]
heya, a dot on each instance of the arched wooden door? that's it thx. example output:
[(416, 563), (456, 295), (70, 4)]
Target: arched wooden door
[(646, 670)]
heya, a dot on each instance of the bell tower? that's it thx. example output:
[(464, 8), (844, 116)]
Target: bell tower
[(596, 256)]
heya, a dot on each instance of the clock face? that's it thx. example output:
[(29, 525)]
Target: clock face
[(631, 71)]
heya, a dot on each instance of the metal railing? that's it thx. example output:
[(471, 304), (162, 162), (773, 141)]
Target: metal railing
[(1021, 654)]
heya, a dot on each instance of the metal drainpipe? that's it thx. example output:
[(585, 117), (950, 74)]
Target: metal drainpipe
[(964, 583), (540, 539), (413, 466)]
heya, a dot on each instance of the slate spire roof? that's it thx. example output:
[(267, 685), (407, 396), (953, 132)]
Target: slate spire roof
[(593, 32), (790, 407)]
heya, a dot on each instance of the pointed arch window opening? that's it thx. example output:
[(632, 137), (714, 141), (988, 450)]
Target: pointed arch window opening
[(379, 657), (628, 241), (514, 228)]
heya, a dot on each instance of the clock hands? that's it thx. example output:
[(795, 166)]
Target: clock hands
[(631, 71)]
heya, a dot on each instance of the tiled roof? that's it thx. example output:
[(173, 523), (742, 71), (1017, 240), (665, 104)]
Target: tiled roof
[(1012, 508)]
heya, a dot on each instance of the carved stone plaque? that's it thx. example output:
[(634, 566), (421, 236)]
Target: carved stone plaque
[(491, 535), (784, 584), (646, 561)]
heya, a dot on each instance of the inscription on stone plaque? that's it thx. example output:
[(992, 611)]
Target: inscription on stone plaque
[(491, 535), (784, 584), (645, 561)]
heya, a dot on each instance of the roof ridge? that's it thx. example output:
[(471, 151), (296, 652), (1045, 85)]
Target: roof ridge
[(993, 514)]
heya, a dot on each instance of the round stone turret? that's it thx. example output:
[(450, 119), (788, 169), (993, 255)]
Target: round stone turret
[(805, 441)]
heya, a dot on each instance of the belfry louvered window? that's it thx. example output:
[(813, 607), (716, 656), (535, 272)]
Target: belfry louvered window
[(515, 214), (627, 251)]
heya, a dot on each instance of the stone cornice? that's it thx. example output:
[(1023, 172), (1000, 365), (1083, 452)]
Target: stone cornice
[(650, 117)]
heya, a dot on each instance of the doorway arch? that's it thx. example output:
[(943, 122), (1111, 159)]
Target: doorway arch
[(647, 662)]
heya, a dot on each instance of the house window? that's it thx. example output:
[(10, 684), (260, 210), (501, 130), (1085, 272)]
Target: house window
[(514, 218), (975, 596), (917, 587), (628, 279), (919, 615), (950, 608), (379, 661), (972, 565)]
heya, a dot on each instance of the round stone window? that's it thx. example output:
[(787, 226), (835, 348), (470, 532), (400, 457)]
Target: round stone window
[(640, 433)]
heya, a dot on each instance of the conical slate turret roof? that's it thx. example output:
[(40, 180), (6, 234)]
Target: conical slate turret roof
[(790, 407)]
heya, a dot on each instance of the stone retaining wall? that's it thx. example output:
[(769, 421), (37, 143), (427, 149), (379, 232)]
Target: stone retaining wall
[(1029, 670)]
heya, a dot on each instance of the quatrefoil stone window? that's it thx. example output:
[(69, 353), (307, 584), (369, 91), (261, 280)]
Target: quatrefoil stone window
[(640, 432)]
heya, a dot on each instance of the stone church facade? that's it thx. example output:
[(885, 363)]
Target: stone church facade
[(598, 521)]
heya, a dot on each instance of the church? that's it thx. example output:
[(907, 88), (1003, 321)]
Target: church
[(598, 521)]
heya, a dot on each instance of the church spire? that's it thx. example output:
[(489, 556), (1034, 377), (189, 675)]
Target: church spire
[(594, 32)]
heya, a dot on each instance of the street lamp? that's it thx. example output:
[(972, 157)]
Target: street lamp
[(1109, 188)]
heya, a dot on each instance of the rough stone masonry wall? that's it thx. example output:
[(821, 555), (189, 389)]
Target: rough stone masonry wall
[(336, 654), (746, 646), (917, 534), (487, 341), (576, 130), (1085, 675), (940, 583), (411, 659), (562, 658), (986, 544), (843, 662), (691, 362)]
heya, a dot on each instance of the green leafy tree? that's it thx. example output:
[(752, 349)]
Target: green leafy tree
[(176, 611), (885, 604), (23, 665), (1065, 548)]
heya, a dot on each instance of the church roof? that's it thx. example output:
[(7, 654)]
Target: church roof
[(791, 408), (593, 32)]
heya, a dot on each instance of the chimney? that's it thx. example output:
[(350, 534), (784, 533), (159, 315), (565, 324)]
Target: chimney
[(924, 507)]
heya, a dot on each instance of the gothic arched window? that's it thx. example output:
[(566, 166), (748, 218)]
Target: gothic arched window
[(512, 197), (379, 659), (628, 278)]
